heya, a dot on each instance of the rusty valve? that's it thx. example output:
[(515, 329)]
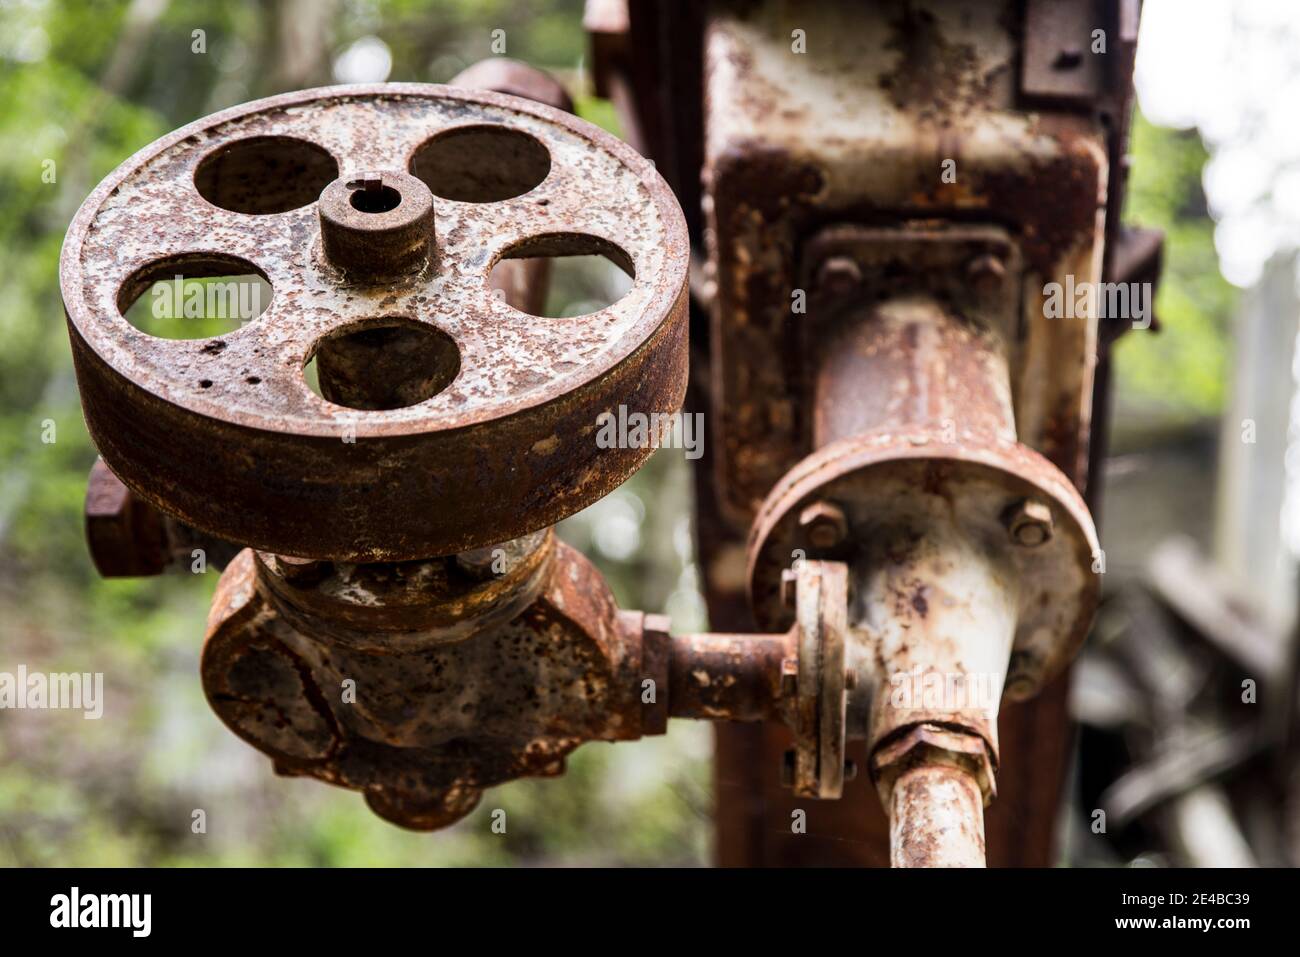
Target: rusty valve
[(401, 620), (965, 567)]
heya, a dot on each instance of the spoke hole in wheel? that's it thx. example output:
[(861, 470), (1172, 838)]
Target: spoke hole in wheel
[(385, 363), (194, 297), (379, 200), (481, 164), (586, 274), (265, 174)]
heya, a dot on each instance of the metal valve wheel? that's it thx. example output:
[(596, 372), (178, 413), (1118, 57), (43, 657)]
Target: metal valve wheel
[(447, 419)]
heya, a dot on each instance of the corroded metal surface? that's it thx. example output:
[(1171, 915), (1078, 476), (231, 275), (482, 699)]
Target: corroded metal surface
[(433, 718), (936, 819), (464, 674), (423, 683), (394, 606), (1058, 588), (935, 782), (1057, 63), (933, 91), (729, 677), (928, 448), (126, 536), (854, 131), (522, 282), (970, 558), (901, 370), (516, 78), (129, 538), (225, 434), (376, 226)]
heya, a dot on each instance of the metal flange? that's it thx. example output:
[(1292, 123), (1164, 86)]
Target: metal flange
[(883, 479), (821, 631), (450, 420)]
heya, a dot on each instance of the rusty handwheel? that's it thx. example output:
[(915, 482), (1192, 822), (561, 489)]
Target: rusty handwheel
[(446, 419)]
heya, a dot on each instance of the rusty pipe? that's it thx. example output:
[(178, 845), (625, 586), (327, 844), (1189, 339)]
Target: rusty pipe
[(968, 557), (936, 819), (940, 605), (910, 363), (934, 782), (728, 677)]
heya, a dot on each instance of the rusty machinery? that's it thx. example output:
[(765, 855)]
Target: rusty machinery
[(903, 455), (879, 195)]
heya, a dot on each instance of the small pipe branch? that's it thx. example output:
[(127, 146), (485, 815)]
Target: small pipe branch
[(728, 677)]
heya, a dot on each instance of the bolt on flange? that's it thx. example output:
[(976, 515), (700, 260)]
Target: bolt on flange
[(1029, 522), (824, 525)]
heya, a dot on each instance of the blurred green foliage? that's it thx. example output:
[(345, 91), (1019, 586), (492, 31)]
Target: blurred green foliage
[(1182, 371)]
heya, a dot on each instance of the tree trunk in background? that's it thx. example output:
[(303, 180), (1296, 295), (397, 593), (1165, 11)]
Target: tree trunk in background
[(300, 52)]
